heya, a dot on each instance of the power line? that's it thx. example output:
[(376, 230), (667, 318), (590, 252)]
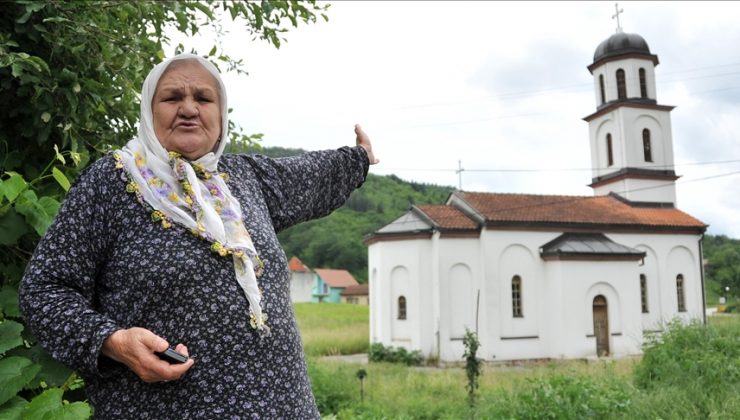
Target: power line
[(658, 167)]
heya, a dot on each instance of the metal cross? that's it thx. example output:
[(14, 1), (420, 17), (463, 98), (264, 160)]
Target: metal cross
[(616, 16)]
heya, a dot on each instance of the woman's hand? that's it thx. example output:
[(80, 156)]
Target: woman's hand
[(364, 141), (135, 348)]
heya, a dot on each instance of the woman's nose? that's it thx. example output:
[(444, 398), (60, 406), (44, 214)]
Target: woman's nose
[(189, 108)]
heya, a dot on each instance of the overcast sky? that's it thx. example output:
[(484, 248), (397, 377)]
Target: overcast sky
[(496, 85)]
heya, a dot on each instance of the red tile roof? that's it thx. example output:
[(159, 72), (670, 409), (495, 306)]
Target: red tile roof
[(448, 217), (356, 290), (336, 278), (296, 265), (600, 210)]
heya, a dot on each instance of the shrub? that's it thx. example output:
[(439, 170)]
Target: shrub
[(380, 353)]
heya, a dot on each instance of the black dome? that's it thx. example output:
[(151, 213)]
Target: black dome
[(621, 43)]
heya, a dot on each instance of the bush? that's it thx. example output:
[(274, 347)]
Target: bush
[(380, 353)]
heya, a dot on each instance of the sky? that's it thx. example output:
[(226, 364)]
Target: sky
[(493, 87)]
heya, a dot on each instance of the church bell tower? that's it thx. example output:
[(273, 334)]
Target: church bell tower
[(630, 133)]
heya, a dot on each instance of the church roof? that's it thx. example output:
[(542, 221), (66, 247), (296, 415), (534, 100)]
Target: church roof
[(336, 278), (409, 222), (587, 245), (448, 217), (621, 43), (607, 210)]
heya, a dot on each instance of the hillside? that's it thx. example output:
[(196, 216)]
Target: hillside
[(335, 241)]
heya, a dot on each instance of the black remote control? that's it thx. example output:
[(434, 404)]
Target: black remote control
[(171, 356)]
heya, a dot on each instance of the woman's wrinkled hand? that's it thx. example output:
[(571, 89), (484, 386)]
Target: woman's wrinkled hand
[(364, 141), (135, 348)]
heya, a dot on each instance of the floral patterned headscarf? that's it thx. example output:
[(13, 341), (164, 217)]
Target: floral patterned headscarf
[(192, 194)]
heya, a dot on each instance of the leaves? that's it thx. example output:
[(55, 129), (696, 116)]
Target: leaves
[(13, 409), (9, 302), (49, 405), (61, 178), (15, 373), (13, 186), (12, 227), (10, 335), (39, 212)]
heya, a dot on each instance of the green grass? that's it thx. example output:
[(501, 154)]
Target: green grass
[(559, 389), (333, 328)]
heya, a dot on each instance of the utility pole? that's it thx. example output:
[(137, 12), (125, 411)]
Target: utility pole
[(459, 172)]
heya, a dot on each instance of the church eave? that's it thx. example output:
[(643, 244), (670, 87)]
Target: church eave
[(634, 173), (573, 256), (629, 104), (397, 236), (592, 227), (622, 56)]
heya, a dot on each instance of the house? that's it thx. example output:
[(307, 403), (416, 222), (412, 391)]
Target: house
[(547, 276), (302, 281), (330, 283), (356, 294)]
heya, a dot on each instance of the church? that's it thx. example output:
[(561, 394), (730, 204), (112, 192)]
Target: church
[(549, 276)]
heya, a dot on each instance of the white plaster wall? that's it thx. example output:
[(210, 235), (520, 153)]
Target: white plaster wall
[(647, 190), (403, 269), (631, 68), (507, 253), (672, 255), (301, 285), (581, 282), (460, 279), (652, 320)]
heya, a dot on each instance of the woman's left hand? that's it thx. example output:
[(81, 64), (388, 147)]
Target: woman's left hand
[(364, 141)]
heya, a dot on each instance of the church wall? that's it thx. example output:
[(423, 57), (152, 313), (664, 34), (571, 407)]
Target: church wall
[(652, 319), (509, 253), (631, 67), (460, 279), (672, 255), (403, 269), (648, 190), (578, 283)]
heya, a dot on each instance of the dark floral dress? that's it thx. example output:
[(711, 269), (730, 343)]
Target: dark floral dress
[(104, 265)]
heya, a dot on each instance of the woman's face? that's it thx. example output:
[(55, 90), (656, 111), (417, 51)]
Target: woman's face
[(186, 110)]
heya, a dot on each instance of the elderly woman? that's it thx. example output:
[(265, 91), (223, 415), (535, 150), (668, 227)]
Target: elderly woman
[(169, 243)]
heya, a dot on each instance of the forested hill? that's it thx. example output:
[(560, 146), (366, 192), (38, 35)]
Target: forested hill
[(335, 241)]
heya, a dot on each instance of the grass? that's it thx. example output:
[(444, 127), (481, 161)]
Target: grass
[(558, 389), (333, 328)]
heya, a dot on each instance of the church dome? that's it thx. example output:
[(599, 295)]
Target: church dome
[(621, 43)]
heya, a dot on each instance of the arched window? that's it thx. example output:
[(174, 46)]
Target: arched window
[(609, 153), (621, 85), (516, 297), (680, 294), (643, 84), (401, 307), (646, 147), (601, 88), (643, 293)]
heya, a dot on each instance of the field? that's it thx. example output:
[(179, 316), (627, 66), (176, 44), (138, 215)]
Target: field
[(695, 374)]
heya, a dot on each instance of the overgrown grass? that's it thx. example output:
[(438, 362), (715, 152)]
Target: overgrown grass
[(332, 328), (692, 372)]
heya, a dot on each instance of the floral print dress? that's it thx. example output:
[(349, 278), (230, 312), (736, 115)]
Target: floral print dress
[(106, 264)]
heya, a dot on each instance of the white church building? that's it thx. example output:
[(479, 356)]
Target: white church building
[(545, 276)]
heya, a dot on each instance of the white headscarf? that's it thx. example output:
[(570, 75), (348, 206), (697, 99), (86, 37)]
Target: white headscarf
[(193, 194)]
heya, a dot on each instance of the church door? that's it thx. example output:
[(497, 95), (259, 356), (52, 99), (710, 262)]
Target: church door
[(601, 326)]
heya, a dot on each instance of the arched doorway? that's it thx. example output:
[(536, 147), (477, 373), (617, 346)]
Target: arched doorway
[(601, 326)]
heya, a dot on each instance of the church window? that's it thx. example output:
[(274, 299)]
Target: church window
[(621, 85), (601, 88), (516, 297), (646, 148), (609, 153), (643, 84), (643, 293), (401, 307), (680, 294)]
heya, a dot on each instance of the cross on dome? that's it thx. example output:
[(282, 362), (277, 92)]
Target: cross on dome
[(616, 15)]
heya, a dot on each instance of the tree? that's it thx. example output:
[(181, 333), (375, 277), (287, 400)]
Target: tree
[(70, 75)]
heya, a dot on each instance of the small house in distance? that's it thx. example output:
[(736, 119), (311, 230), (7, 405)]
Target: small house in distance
[(302, 281), (330, 283), (356, 294)]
